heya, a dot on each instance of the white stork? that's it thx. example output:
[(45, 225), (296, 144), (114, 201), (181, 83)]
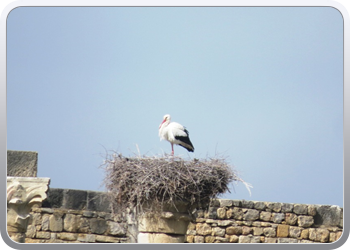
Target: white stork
[(174, 133)]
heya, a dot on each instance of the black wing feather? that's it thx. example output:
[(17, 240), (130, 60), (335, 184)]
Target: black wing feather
[(186, 140)]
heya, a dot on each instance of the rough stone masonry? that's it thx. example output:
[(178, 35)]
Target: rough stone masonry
[(241, 221), (78, 216)]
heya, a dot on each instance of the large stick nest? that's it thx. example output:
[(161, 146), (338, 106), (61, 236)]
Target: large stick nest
[(136, 181)]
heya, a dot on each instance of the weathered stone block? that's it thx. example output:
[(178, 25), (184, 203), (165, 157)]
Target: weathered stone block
[(218, 231), (98, 201), (54, 198), (221, 213), (70, 223), (234, 230), (322, 235), (269, 232), (328, 215), (203, 229), (295, 232), (257, 231), (209, 239), (153, 223), (35, 219), (56, 222), (233, 239), (282, 231), (74, 199), (304, 234), (249, 239), (244, 239), (256, 239), (198, 239), (98, 226), (291, 219), (43, 235), (87, 238), (265, 216), (225, 203), (305, 221), (67, 236), (251, 215), (237, 213), (45, 222), (273, 207), (311, 210), (334, 236), (247, 230), (270, 240), (300, 209), (287, 207), (247, 204), (83, 225), (190, 238), (312, 234), (259, 205), (31, 231), (22, 163), (277, 217)]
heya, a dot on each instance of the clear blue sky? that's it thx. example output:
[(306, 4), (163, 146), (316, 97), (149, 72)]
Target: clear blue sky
[(263, 86)]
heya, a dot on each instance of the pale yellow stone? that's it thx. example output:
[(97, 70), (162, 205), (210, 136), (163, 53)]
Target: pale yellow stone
[(159, 238)]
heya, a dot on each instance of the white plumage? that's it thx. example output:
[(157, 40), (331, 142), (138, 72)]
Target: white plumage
[(174, 133)]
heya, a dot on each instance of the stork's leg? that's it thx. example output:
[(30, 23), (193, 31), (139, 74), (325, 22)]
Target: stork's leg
[(172, 149)]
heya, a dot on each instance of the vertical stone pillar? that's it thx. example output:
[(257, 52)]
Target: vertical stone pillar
[(22, 194), (168, 226)]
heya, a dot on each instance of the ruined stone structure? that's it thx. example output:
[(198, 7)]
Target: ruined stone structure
[(39, 214)]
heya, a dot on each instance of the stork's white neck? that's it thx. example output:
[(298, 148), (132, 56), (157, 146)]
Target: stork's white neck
[(164, 124)]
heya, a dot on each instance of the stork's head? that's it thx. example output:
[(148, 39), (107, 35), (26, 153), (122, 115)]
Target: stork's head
[(166, 119)]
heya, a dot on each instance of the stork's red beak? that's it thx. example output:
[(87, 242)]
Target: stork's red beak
[(162, 123)]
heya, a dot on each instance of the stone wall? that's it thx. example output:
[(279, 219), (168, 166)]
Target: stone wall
[(76, 216), (240, 221)]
